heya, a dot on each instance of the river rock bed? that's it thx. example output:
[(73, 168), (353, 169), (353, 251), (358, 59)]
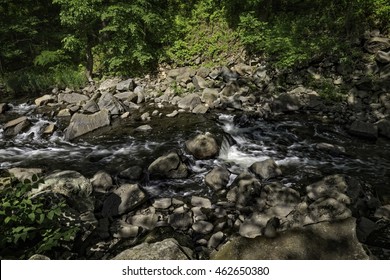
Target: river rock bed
[(184, 196)]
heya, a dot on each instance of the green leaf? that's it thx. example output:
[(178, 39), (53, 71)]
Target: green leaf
[(32, 217), (7, 220), (50, 215), (41, 218)]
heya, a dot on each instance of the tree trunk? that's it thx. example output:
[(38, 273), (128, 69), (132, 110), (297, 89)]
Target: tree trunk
[(89, 58)]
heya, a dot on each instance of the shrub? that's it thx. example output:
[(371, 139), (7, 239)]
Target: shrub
[(31, 225)]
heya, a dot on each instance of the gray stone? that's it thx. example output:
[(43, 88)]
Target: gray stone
[(173, 114), (266, 169), (132, 173), (109, 102), (102, 182), (215, 240), (145, 117), (49, 129), (229, 90), (147, 222), (25, 173), (331, 186), (143, 128), (363, 129), (168, 166), (180, 221), (203, 227), (167, 249), (383, 212), (218, 178), (189, 102), (43, 100), (90, 107), (124, 199), (197, 201), (125, 85), (64, 113), (322, 241), (209, 96), (15, 122), (384, 128), (72, 98), (286, 102), (331, 149), (109, 85), (126, 95), (375, 44), (14, 127), (384, 73), (162, 203), (203, 146), (246, 188), (199, 82), (200, 109), (123, 230), (328, 209), (383, 57), (81, 124), (203, 72)]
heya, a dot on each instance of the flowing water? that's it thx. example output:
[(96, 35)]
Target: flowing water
[(292, 140)]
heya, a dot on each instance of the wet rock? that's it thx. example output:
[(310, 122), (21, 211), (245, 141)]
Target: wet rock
[(246, 188), (43, 100), (168, 166), (122, 200), (218, 178), (384, 128), (132, 173), (322, 241), (215, 240), (189, 102), (72, 98), (180, 221), (125, 85), (331, 149), (16, 126), (102, 182), (203, 146), (23, 174), (266, 169), (81, 124), (168, 249), (109, 102), (363, 129), (49, 129)]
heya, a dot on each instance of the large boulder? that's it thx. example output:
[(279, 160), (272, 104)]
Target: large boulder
[(218, 178), (169, 166), (125, 85), (168, 249), (109, 102), (189, 102), (43, 100), (203, 146), (72, 98), (81, 124), (124, 199), (109, 85), (14, 127), (322, 241)]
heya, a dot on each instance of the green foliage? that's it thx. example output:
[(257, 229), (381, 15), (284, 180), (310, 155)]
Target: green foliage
[(31, 225)]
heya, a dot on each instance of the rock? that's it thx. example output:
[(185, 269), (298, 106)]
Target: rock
[(286, 102), (16, 126), (3, 107), (203, 227), (145, 117), (64, 113), (266, 169), (122, 200), (72, 98), (200, 109), (328, 209), (197, 201), (23, 174), (180, 221), (322, 241), (382, 57), (384, 73), (254, 226), (228, 75), (246, 188), (203, 146), (203, 72), (331, 149), (143, 128), (49, 129), (229, 90), (132, 173), (123, 230), (168, 166), (39, 257), (125, 85), (215, 240), (167, 249), (375, 44), (109, 102), (363, 129), (102, 182), (209, 96), (218, 178), (81, 124), (147, 222), (189, 102), (384, 128), (162, 203), (125, 115), (126, 95), (43, 100), (383, 212), (173, 114), (331, 186), (199, 82), (108, 85)]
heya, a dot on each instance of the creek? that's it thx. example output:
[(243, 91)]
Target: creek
[(296, 142)]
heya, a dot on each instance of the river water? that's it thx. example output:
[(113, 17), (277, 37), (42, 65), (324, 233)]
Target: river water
[(295, 142)]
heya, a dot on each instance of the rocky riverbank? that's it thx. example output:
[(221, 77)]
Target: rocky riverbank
[(336, 217)]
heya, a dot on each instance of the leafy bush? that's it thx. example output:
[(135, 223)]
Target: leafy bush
[(31, 225)]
